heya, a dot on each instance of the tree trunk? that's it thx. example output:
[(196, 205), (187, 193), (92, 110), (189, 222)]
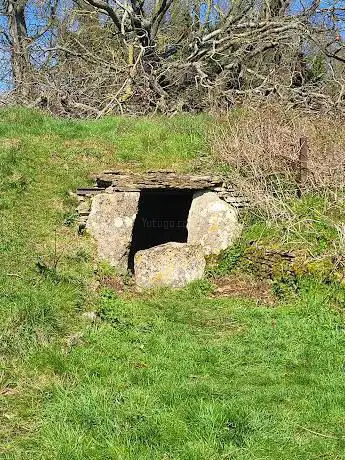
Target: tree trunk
[(19, 37)]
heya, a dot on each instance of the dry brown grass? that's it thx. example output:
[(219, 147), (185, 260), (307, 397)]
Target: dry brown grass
[(244, 286), (261, 146)]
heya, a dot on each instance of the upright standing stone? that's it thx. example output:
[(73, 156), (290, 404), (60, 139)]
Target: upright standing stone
[(212, 223), (111, 223)]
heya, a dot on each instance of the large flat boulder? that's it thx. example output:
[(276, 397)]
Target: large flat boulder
[(110, 222), (212, 223), (171, 264)]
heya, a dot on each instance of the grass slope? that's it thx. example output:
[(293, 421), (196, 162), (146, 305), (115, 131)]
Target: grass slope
[(166, 375)]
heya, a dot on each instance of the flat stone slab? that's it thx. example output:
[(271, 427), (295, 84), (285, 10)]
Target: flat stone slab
[(121, 181), (212, 223), (171, 264)]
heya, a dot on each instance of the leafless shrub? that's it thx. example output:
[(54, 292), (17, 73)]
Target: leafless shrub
[(94, 57), (261, 147)]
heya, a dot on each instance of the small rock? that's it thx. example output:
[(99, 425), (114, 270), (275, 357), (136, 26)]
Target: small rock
[(90, 315), (171, 264), (84, 208), (74, 339)]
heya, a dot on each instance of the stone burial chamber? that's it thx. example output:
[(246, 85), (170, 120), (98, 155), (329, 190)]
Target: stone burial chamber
[(160, 225)]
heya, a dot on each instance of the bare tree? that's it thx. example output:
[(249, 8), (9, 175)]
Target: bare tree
[(109, 56), (21, 34), (16, 37)]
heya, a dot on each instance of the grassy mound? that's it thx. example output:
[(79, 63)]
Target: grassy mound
[(181, 374)]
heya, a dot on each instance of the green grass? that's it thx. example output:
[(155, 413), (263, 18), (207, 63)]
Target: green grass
[(164, 375)]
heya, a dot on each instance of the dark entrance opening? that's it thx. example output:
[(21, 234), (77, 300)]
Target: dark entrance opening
[(162, 217)]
